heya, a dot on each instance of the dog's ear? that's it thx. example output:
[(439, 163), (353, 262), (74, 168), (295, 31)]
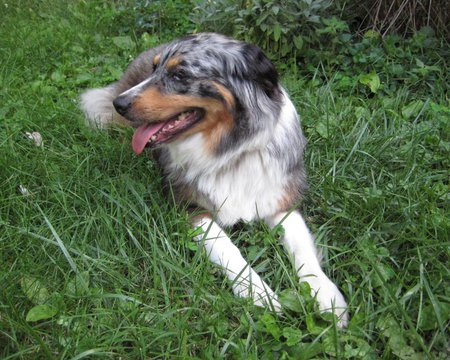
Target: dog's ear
[(260, 70)]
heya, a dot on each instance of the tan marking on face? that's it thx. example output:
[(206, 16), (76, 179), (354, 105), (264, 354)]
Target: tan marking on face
[(226, 94), (156, 59), (218, 120), (173, 62), (214, 127)]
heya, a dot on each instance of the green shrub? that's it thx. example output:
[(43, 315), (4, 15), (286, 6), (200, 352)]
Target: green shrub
[(280, 27), (160, 18), (373, 64)]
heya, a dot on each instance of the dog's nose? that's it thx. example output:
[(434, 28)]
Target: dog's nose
[(122, 104)]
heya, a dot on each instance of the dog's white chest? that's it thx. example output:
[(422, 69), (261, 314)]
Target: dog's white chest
[(250, 188), (243, 188)]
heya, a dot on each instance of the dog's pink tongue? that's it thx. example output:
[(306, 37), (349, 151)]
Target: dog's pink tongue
[(143, 134)]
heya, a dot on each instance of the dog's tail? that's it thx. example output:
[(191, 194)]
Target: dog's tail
[(97, 105)]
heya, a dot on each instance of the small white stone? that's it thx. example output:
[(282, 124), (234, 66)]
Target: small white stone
[(23, 190), (35, 136)]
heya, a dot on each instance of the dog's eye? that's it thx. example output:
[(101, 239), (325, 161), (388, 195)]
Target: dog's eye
[(177, 76)]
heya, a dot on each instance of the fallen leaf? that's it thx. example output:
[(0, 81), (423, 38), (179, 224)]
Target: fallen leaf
[(41, 312)]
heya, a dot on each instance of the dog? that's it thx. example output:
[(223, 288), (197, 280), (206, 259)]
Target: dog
[(228, 139)]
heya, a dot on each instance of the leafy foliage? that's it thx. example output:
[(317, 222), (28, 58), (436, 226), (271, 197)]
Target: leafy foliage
[(283, 27), (384, 65), (161, 19)]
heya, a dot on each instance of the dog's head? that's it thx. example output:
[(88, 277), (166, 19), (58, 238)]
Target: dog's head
[(206, 83)]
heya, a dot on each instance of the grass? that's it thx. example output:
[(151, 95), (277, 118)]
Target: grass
[(95, 261)]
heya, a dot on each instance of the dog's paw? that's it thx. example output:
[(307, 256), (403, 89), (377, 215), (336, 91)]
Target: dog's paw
[(330, 299), (271, 302), (262, 295)]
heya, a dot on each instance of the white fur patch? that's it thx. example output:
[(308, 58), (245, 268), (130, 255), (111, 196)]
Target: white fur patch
[(98, 107)]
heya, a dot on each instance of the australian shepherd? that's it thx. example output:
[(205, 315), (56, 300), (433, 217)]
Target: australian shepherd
[(229, 142)]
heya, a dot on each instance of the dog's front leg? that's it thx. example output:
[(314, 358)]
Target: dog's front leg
[(221, 251), (299, 244)]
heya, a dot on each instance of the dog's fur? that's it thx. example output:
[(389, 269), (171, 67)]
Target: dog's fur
[(235, 151)]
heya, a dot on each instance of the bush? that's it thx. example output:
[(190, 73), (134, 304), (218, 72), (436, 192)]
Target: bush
[(165, 20), (281, 27), (285, 29)]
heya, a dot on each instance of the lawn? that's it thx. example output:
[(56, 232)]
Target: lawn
[(95, 261)]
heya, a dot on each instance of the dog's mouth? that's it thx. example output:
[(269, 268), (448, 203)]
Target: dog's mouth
[(153, 134)]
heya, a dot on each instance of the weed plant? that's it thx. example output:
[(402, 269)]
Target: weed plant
[(95, 261)]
